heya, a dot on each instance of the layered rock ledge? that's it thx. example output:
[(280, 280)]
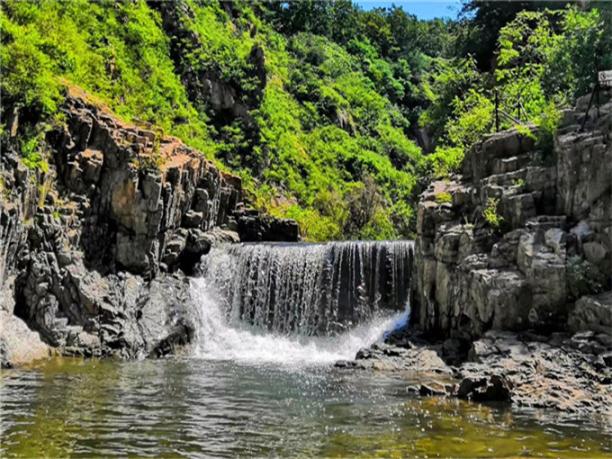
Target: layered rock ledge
[(517, 240)]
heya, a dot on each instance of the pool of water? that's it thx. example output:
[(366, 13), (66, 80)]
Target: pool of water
[(214, 408)]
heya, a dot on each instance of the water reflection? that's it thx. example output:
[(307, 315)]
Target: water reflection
[(196, 408)]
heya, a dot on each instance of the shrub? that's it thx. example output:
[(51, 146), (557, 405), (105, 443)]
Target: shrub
[(583, 278), (445, 160), (548, 122), (31, 155), (491, 214), (443, 197)]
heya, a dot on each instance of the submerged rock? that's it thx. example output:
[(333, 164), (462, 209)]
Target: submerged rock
[(435, 389)]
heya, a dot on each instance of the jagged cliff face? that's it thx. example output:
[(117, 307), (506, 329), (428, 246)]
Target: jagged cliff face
[(94, 251), (143, 195), (550, 257)]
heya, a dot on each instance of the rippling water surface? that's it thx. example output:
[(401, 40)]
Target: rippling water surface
[(204, 408)]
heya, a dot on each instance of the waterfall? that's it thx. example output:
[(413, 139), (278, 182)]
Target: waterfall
[(297, 301), (310, 289), (10, 235)]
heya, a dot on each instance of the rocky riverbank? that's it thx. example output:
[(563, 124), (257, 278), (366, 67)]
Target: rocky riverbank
[(570, 373), (95, 247), (511, 295), (511, 270)]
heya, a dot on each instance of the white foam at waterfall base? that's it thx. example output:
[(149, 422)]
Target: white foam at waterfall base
[(220, 340)]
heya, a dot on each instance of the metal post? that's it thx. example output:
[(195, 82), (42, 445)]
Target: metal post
[(496, 111), (586, 115), (597, 100)]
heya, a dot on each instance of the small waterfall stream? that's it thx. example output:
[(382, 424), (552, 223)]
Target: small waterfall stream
[(300, 302), (11, 233)]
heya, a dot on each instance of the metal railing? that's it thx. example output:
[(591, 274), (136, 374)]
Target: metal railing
[(502, 115), (604, 80)]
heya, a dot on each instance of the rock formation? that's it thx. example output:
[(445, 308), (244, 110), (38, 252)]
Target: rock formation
[(523, 239), (94, 250), (511, 295), (561, 371)]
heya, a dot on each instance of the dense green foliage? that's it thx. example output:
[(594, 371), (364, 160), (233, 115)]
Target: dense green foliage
[(544, 60), (115, 52), (326, 101)]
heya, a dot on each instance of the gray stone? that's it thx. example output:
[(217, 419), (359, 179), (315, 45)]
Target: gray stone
[(193, 219), (592, 313), (495, 388), (200, 200), (18, 344), (595, 252)]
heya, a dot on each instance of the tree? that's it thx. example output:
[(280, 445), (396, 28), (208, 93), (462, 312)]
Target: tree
[(482, 21)]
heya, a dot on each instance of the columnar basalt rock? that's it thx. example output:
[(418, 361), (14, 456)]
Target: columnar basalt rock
[(138, 188), (98, 246), (512, 276), (524, 234)]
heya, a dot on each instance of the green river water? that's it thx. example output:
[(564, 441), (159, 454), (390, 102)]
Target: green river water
[(204, 408)]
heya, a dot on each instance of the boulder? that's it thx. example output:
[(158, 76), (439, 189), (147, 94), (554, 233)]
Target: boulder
[(265, 228), (495, 388), (193, 219), (18, 344), (592, 313)]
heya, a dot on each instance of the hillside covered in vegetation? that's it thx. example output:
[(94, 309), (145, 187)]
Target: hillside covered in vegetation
[(331, 115)]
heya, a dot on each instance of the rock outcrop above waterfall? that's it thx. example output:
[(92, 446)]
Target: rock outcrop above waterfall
[(523, 239), (252, 227), (94, 250)]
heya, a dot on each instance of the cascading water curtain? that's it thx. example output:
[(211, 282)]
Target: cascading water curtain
[(310, 289), (7, 237)]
